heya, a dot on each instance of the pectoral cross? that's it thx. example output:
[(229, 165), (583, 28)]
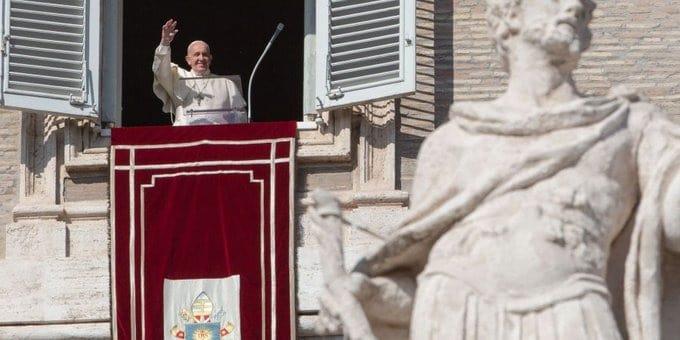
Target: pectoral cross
[(199, 98)]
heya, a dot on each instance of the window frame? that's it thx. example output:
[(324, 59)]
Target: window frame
[(112, 42), (360, 94), (90, 106)]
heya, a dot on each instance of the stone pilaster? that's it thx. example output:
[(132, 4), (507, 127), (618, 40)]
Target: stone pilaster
[(375, 154)]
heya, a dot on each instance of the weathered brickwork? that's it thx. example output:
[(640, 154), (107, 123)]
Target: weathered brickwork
[(9, 169), (636, 43), (420, 113)]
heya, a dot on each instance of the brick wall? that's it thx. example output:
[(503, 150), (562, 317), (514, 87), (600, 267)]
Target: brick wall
[(419, 114), (636, 43), (9, 169)]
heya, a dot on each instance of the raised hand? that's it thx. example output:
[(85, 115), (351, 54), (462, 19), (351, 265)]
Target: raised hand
[(168, 32)]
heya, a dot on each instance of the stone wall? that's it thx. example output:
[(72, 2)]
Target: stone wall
[(55, 262), (420, 113), (636, 43), (9, 169)]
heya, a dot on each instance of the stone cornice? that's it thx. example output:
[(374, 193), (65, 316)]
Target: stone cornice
[(350, 199), (85, 210)]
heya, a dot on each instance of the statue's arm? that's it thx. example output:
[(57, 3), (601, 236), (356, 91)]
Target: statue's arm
[(438, 150), (357, 304), (671, 214), (658, 154)]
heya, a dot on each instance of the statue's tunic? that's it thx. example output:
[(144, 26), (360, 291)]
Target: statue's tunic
[(219, 96), (520, 212)]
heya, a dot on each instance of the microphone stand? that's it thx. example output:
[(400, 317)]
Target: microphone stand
[(279, 28)]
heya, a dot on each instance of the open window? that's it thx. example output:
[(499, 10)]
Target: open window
[(237, 32), (83, 58), (51, 55), (365, 51)]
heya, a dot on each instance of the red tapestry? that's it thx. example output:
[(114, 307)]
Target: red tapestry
[(202, 231)]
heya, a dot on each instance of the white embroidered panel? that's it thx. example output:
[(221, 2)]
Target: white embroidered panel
[(202, 308)]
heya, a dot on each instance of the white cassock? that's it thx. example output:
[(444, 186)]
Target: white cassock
[(220, 95)]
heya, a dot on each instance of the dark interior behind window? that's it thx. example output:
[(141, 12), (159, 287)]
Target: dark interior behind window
[(237, 32)]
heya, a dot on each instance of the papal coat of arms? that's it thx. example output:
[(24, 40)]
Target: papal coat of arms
[(202, 308), (202, 321)]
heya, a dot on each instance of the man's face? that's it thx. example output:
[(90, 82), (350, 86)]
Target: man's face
[(199, 58), (559, 26)]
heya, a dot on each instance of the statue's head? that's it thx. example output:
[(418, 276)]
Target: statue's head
[(559, 28)]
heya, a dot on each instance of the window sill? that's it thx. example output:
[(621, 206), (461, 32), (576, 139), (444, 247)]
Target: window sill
[(327, 143), (307, 126)]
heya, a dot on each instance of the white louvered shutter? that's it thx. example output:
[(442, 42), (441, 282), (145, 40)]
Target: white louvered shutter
[(51, 56), (365, 51)]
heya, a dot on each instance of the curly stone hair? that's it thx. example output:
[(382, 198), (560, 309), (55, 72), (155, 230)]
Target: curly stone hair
[(503, 20)]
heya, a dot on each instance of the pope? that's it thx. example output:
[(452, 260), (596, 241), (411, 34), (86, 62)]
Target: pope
[(194, 97)]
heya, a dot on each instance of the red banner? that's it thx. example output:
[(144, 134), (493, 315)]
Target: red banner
[(202, 231)]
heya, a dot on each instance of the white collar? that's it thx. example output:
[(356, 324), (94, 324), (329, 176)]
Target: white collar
[(194, 74)]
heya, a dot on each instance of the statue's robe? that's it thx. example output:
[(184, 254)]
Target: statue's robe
[(217, 100), (512, 218)]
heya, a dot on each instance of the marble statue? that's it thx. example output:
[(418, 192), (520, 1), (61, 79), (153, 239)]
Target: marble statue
[(515, 205)]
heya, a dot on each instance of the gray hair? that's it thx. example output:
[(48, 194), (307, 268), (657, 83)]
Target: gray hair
[(196, 42)]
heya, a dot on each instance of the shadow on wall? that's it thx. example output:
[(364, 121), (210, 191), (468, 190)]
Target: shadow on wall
[(418, 115), (443, 60)]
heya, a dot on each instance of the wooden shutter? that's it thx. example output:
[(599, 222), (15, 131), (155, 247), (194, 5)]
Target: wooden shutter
[(51, 56), (365, 51)]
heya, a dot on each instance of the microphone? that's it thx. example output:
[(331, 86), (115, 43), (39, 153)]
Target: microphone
[(278, 30)]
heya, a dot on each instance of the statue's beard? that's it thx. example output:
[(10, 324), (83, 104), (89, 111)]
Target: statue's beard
[(560, 40)]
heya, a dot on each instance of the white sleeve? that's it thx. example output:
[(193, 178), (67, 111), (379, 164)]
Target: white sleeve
[(235, 98), (164, 74)]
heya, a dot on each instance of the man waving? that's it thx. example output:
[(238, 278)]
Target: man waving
[(195, 97)]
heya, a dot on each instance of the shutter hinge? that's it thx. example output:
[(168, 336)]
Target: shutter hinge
[(335, 94), (5, 41), (408, 42), (76, 100)]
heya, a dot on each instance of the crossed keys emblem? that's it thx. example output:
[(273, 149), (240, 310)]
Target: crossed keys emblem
[(201, 323)]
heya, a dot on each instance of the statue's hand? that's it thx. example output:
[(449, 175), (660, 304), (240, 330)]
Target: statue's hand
[(341, 300), (168, 32), (328, 322), (341, 310)]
